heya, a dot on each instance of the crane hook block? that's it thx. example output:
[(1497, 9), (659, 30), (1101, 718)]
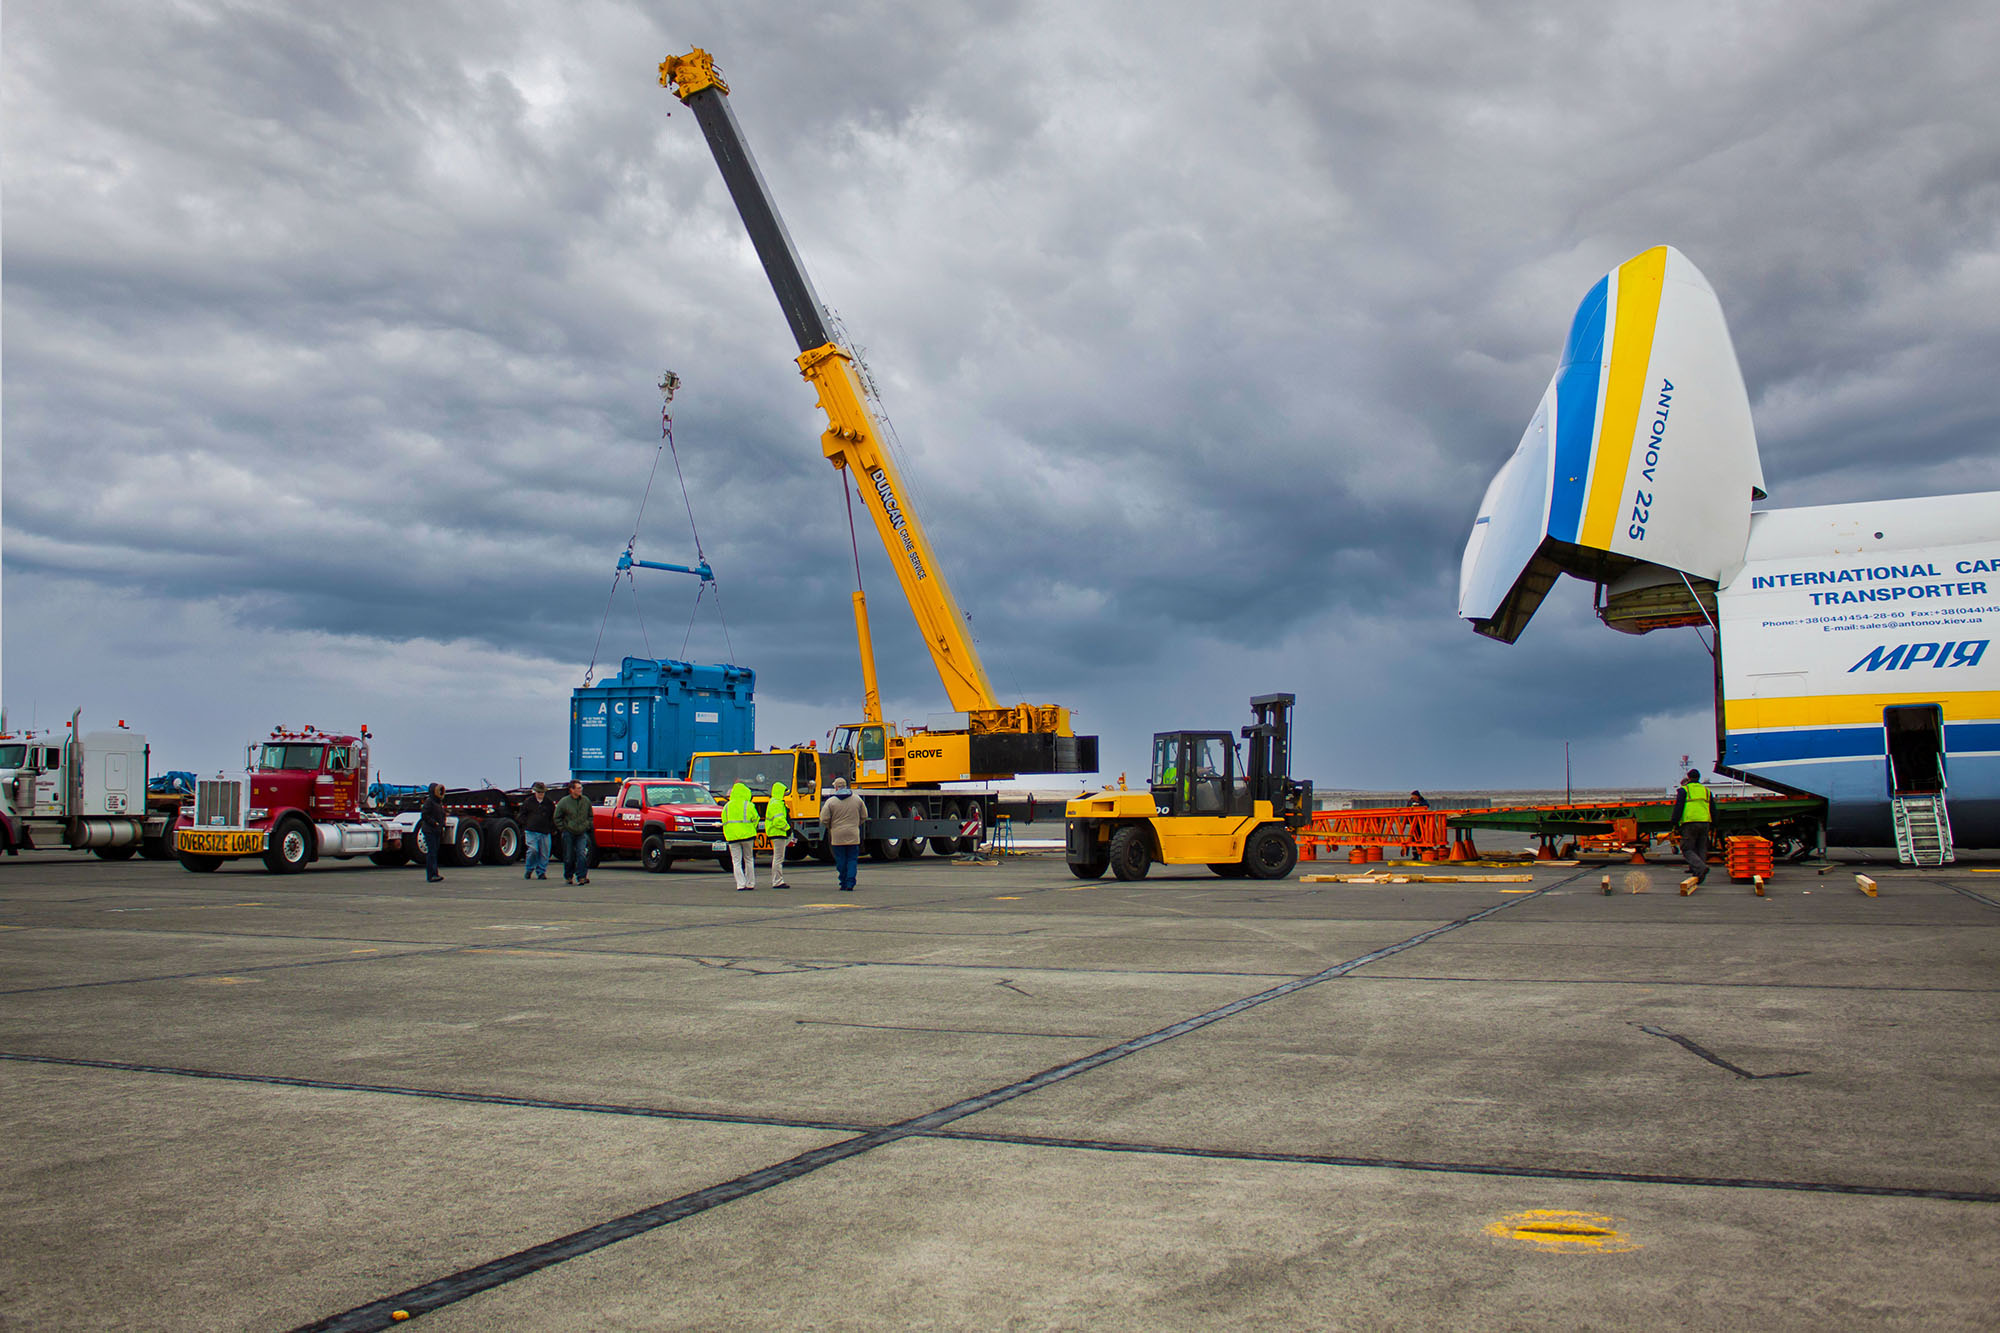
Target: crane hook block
[(687, 75)]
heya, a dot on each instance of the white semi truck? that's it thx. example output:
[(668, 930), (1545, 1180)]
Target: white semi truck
[(65, 790)]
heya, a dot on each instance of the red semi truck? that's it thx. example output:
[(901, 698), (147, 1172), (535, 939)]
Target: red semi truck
[(303, 798)]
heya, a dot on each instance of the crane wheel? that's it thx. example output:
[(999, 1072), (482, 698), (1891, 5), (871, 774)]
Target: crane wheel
[(1270, 853), (1131, 855), (887, 849)]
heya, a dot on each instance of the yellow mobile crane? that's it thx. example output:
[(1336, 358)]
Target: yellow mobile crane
[(983, 739)]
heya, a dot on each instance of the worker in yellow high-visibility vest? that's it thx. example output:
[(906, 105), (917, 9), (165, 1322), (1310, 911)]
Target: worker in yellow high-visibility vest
[(778, 828), (1694, 819), (739, 830)]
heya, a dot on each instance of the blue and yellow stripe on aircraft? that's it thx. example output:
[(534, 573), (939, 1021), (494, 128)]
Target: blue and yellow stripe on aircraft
[(1575, 422), (1593, 437), (1849, 710)]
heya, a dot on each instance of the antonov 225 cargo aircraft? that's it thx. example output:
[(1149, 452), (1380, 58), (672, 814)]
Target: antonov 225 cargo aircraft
[(1854, 642)]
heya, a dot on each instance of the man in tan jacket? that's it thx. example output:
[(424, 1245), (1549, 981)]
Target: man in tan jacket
[(840, 819)]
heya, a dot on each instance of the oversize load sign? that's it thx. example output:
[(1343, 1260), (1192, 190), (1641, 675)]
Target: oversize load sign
[(236, 842)]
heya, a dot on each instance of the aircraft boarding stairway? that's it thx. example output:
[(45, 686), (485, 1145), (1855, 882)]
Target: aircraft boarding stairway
[(1923, 830)]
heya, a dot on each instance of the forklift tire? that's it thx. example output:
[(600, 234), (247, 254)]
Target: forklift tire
[(200, 865), (1090, 869), (504, 845), (124, 853), (467, 845), (1131, 857), (1270, 853), (291, 846), (1229, 869), (653, 856)]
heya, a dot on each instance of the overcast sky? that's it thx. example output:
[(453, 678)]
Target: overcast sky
[(331, 335)]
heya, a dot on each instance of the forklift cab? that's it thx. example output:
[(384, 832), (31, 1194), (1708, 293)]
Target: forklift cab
[(1194, 773)]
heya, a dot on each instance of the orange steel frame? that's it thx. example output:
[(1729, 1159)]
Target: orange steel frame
[(1417, 830)]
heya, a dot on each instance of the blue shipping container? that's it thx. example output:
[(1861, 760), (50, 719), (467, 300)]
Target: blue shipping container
[(647, 720)]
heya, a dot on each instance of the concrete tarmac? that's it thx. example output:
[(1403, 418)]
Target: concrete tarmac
[(975, 1097)]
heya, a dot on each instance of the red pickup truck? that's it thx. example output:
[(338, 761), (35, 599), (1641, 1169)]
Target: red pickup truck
[(660, 821)]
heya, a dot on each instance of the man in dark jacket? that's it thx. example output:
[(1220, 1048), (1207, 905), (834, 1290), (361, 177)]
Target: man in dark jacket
[(430, 818), (573, 821), (538, 825)]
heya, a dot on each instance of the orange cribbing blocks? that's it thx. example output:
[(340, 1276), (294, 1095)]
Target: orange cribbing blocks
[(1308, 851), (1749, 858), (1358, 856)]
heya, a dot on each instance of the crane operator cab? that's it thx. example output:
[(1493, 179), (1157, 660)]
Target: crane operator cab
[(1208, 802)]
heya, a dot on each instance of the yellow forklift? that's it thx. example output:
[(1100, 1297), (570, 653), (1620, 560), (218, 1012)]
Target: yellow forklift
[(1198, 808)]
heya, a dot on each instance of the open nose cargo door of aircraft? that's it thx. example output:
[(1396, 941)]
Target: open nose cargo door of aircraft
[(1640, 462)]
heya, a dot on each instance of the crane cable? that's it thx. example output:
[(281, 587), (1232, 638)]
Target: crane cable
[(668, 383)]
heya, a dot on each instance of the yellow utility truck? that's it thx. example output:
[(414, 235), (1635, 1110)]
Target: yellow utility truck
[(1203, 805)]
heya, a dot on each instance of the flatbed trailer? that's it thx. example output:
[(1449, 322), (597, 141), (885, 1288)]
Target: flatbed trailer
[(1795, 824)]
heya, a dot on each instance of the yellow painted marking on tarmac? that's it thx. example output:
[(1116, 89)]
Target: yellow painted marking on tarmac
[(1008, 898), (227, 981), (13, 927), (1564, 1232), (826, 904), (524, 953), (364, 951), (1517, 890), (1977, 870)]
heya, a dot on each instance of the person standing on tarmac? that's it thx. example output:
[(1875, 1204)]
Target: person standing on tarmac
[(538, 824), (572, 817), (840, 821), (778, 828), (431, 819), (739, 830), (1693, 818)]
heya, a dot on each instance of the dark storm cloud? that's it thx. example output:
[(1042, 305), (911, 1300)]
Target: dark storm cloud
[(1203, 330)]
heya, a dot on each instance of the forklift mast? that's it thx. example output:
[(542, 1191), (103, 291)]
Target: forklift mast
[(1268, 764)]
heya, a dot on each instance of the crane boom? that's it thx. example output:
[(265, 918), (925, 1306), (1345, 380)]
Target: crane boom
[(853, 439)]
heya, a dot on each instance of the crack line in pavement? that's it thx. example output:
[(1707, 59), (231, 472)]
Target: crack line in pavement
[(1966, 893), (454, 1287), (1667, 981), (969, 1032), (1473, 1168), (1710, 1056), (445, 1094), (1039, 1140)]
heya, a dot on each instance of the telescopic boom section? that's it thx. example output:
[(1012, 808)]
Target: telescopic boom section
[(853, 439)]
